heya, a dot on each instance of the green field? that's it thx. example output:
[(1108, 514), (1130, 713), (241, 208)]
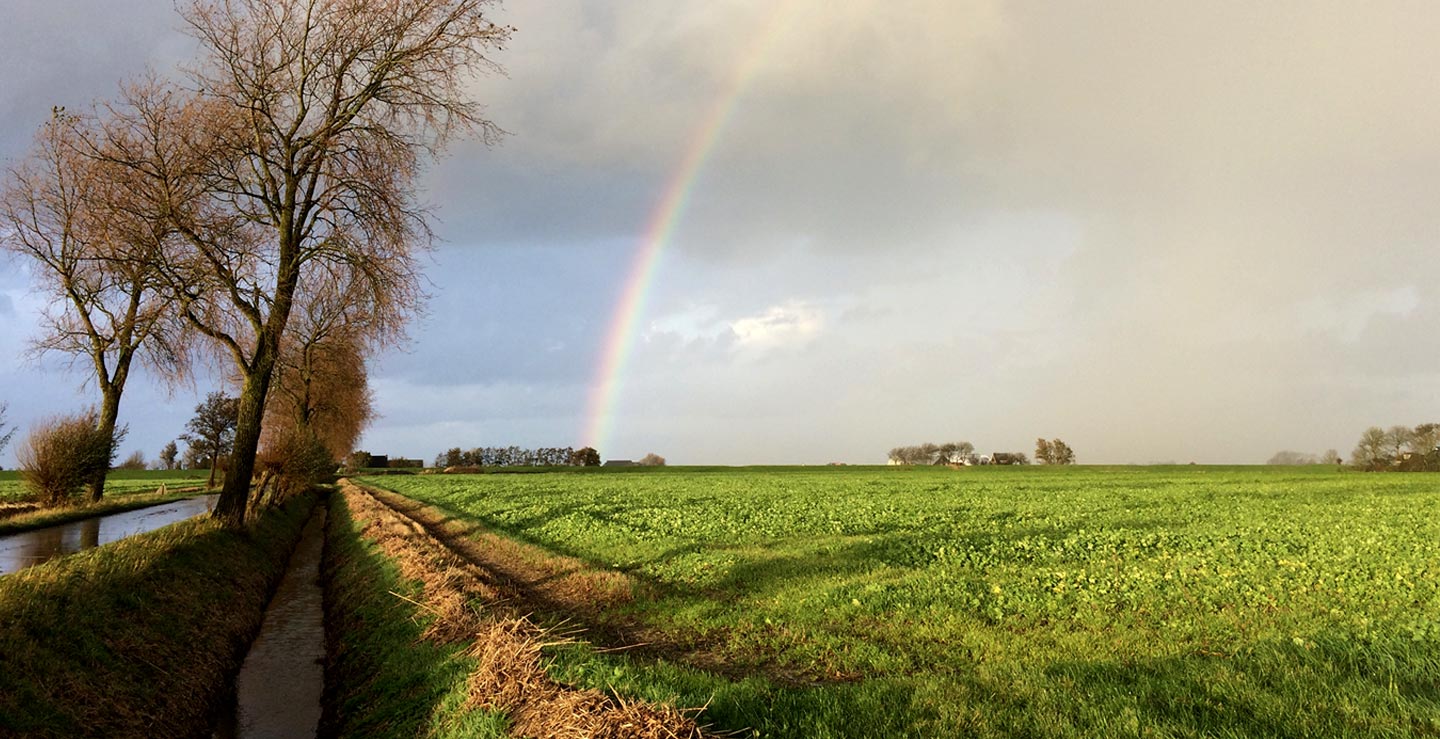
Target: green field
[(119, 482), (1122, 601)]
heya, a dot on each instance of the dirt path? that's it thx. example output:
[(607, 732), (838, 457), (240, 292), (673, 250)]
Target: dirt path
[(510, 675), (575, 591)]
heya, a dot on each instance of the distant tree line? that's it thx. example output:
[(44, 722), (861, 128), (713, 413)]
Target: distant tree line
[(954, 452), (1291, 458), (1398, 448), (1052, 451), (514, 456)]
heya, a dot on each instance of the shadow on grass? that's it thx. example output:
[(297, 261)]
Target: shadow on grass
[(382, 678)]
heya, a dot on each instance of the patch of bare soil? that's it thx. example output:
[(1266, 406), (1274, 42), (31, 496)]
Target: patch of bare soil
[(510, 675)]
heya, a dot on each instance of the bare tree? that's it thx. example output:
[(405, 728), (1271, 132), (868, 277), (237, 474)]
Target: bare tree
[(1372, 451), (1424, 439), (652, 460), (1044, 453), (96, 250), (300, 153), (136, 461), (1397, 439), (321, 385), (954, 451)]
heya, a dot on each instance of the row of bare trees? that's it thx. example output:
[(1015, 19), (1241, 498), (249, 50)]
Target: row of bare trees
[(263, 212), (1398, 447), (1290, 458), (931, 453)]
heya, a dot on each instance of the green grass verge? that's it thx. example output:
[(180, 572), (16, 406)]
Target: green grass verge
[(1004, 602), (139, 638), (382, 678), (117, 483)]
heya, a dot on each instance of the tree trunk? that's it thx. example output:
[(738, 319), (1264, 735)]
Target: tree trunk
[(109, 413), (214, 462), (235, 495), (250, 413)]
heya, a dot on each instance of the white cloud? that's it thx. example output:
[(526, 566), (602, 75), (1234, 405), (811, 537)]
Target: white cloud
[(792, 323)]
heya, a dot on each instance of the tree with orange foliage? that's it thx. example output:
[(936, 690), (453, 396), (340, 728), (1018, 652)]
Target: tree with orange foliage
[(298, 155)]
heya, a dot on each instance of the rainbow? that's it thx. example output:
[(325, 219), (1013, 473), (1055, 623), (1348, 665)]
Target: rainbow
[(664, 217)]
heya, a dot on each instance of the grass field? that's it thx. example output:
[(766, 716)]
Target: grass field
[(119, 482), (874, 602)]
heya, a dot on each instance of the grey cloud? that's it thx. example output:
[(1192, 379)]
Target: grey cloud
[(1156, 230)]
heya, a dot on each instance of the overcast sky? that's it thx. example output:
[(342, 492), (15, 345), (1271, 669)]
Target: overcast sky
[(1159, 231)]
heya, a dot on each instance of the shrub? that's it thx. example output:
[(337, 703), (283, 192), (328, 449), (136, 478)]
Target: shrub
[(62, 454), (357, 460), (296, 459), (136, 461)]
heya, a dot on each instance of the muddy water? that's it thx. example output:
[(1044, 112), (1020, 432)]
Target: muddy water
[(278, 692), (18, 551)]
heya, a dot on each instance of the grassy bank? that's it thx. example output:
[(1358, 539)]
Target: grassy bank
[(1183, 601), (384, 678), (139, 638)]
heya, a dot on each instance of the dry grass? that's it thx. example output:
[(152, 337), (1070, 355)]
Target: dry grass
[(510, 674), (571, 584), (571, 589), (8, 510)]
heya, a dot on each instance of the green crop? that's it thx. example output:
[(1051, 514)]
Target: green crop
[(1190, 601)]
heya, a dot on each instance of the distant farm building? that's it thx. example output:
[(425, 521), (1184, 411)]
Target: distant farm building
[(1005, 458), (621, 463)]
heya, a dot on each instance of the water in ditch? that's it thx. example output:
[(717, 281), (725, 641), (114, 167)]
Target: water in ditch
[(18, 551), (278, 691)]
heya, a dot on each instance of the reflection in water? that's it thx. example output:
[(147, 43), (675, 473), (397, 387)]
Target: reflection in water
[(18, 551), (277, 694)]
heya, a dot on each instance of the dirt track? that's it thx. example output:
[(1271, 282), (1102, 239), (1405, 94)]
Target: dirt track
[(476, 589)]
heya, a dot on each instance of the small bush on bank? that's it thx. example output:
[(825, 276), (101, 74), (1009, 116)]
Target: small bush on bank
[(292, 461), (63, 453)]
